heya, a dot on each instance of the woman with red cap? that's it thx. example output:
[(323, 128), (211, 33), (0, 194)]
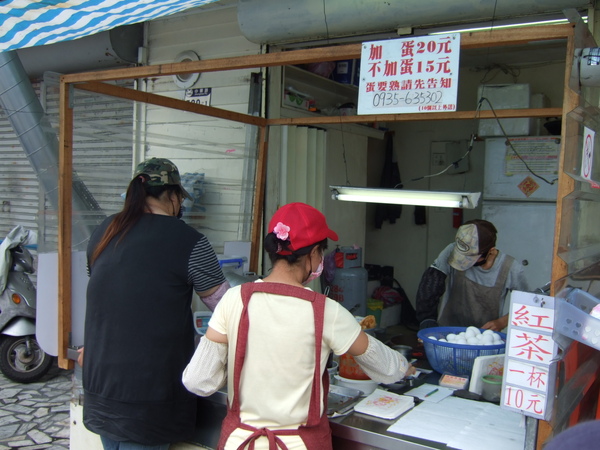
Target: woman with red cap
[(271, 339)]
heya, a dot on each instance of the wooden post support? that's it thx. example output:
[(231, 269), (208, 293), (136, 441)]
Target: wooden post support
[(259, 196), (65, 209)]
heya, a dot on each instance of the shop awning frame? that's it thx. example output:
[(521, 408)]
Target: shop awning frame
[(26, 23), (574, 35), (97, 82)]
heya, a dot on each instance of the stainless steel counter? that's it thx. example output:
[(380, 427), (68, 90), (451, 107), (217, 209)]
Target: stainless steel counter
[(360, 432), (351, 432)]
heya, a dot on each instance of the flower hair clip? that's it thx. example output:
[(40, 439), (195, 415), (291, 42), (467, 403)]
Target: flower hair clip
[(281, 231)]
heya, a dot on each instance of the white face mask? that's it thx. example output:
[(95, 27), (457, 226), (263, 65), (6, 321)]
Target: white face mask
[(314, 275)]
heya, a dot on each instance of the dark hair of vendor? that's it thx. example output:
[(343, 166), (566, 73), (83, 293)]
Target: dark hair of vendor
[(273, 245), (133, 209)]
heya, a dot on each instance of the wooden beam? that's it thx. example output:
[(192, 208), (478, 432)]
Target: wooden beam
[(65, 209), (493, 38), (566, 185), (455, 115), (515, 36), (259, 196), (168, 102)]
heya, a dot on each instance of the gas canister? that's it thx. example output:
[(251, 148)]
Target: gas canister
[(349, 285)]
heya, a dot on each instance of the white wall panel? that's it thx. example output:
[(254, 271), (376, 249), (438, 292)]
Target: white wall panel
[(216, 148)]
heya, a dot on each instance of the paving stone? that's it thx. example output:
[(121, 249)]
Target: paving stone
[(60, 445), (25, 417), (36, 416), (35, 447), (60, 409), (19, 409), (7, 420), (6, 432), (39, 437), (41, 412), (9, 393), (63, 433), (19, 444), (25, 427)]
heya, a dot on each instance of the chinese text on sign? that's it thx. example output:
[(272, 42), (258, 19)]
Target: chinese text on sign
[(417, 74)]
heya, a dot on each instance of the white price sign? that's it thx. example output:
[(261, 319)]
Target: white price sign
[(587, 157), (529, 365), (530, 402), (417, 74)]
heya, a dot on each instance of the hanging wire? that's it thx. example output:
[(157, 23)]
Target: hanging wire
[(477, 112), (506, 70), (497, 68), (457, 162), (512, 147), (341, 123), (514, 73), (326, 24)]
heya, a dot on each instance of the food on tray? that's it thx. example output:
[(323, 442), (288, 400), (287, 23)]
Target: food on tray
[(368, 322)]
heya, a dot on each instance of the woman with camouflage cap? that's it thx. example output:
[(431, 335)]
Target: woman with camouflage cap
[(144, 265)]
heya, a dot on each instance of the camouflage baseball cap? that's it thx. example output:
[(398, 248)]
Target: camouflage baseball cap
[(162, 172)]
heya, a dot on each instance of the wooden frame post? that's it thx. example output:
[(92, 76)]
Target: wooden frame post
[(258, 208), (65, 224)]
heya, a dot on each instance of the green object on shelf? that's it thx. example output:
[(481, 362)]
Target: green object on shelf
[(374, 307)]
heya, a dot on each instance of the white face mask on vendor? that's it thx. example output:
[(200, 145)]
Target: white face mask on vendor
[(314, 275)]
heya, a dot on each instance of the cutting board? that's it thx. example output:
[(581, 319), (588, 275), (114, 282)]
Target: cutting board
[(384, 404)]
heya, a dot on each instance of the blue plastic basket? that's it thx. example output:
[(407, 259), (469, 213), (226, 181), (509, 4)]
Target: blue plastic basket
[(455, 359)]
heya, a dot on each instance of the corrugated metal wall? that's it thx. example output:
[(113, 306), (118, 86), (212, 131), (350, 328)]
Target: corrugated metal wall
[(102, 157), (19, 189), (102, 148)]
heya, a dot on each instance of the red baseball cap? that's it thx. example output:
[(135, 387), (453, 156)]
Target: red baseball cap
[(301, 224)]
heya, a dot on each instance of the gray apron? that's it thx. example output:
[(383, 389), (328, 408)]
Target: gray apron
[(471, 304)]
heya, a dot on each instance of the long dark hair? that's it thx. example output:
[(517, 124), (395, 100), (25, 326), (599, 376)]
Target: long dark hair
[(273, 244), (133, 209)]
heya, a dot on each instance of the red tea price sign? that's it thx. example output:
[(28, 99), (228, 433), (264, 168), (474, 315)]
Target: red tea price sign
[(530, 367)]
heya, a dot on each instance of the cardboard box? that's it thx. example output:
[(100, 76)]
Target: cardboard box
[(296, 101), (390, 316)]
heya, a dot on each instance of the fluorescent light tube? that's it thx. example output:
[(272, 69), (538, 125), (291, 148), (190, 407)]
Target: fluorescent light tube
[(466, 200)]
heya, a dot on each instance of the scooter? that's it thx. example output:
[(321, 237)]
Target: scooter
[(21, 358)]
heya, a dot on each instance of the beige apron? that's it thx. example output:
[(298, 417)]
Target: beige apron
[(471, 304), (316, 433)]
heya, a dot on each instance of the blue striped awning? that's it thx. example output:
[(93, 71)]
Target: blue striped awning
[(27, 23)]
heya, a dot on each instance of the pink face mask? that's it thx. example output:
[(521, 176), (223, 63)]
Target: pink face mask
[(314, 275)]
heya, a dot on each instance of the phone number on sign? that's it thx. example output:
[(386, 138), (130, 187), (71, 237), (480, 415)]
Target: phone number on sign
[(384, 99)]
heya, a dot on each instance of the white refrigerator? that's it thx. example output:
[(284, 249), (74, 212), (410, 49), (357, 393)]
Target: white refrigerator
[(520, 204)]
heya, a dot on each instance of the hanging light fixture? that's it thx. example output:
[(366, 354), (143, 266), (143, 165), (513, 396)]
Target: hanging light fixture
[(467, 200)]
